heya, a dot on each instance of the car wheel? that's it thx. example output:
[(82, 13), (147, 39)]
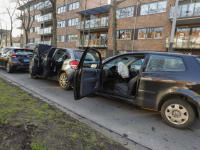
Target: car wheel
[(178, 113), (8, 68), (63, 81), (33, 77)]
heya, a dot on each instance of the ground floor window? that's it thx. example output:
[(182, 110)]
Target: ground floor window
[(72, 38), (60, 38), (124, 34), (150, 33)]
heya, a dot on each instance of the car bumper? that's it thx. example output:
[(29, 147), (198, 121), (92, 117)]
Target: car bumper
[(20, 66)]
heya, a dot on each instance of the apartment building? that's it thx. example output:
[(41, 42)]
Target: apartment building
[(141, 25)]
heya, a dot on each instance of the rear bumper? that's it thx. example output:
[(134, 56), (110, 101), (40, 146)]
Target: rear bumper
[(20, 66)]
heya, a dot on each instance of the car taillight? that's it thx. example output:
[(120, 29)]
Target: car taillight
[(13, 55), (74, 64)]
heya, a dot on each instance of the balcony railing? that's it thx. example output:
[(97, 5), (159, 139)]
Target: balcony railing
[(46, 42), (96, 23), (44, 5), (45, 31), (187, 42), (186, 10), (92, 43), (45, 18)]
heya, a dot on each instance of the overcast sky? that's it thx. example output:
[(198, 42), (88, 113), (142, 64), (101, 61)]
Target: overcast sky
[(5, 17)]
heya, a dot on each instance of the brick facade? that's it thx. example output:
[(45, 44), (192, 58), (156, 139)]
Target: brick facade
[(142, 21)]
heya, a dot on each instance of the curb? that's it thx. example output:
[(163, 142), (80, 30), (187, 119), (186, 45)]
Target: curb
[(127, 143)]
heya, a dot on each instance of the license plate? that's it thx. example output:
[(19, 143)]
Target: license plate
[(26, 60)]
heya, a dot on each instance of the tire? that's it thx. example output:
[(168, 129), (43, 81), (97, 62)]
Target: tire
[(63, 82), (8, 68), (33, 77), (178, 113)]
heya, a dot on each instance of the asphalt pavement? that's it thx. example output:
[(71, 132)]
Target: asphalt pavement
[(140, 125)]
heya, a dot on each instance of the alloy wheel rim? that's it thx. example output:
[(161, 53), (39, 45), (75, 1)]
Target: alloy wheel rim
[(63, 81), (177, 114)]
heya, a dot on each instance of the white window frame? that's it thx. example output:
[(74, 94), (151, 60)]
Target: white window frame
[(72, 22), (153, 34), (61, 38), (62, 24), (148, 4), (123, 12), (125, 31), (74, 5), (72, 35)]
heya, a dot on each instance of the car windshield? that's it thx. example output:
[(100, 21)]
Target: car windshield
[(23, 51), (78, 54)]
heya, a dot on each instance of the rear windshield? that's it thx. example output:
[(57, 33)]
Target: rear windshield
[(78, 54), (23, 51), (198, 59)]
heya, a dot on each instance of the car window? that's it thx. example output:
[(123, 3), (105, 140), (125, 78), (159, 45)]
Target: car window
[(23, 51), (92, 60), (124, 59), (137, 64), (158, 63), (78, 54), (6, 50), (59, 55), (44, 54)]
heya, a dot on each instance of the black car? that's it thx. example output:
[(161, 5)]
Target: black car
[(15, 58), (57, 64), (166, 82)]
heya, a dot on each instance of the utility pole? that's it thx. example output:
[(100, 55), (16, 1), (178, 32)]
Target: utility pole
[(173, 27), (114, 34), (135, 26)]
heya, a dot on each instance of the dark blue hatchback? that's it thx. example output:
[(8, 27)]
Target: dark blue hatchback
[(15, 59)]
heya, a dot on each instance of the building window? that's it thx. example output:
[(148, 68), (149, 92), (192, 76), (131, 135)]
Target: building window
[(37, 29), (125, 12), (124, 34), (61, 38), (37, 16), (153, 8), (72, 38), (73, 6), (60, 24), (31, 30), (150, 33), (31, 18), (72, 22), (31, 40), (37, 40), (61, 9)]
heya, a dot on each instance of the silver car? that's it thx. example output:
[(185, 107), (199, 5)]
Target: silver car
[(57, 64)]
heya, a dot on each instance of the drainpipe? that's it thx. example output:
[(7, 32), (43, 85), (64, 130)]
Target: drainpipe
[(173, 27)]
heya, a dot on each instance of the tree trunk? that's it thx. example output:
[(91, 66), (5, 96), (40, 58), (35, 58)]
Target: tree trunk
[(54, 23), (114, 27), (83, 37), (26, 36)]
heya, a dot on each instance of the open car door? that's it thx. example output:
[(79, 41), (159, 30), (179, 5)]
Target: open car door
[(47, 65), (87, 76)]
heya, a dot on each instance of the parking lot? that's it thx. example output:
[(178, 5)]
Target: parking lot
[(140, 125)]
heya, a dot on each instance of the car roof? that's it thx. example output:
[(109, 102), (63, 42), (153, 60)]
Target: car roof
[(156, 53)]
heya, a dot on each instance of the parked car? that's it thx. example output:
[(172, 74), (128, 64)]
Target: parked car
[(166, 82), (57, 64), (15, 58)]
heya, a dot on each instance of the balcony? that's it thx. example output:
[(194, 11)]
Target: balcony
[(100, 43), (186, 12), (45, 31), (184, 42), (100, 23), (45, 18), (20, 27), (46, 42), (45, 5)]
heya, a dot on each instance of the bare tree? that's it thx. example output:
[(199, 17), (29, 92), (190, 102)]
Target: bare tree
[(25, 16), (10, 9), (53, 2)]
